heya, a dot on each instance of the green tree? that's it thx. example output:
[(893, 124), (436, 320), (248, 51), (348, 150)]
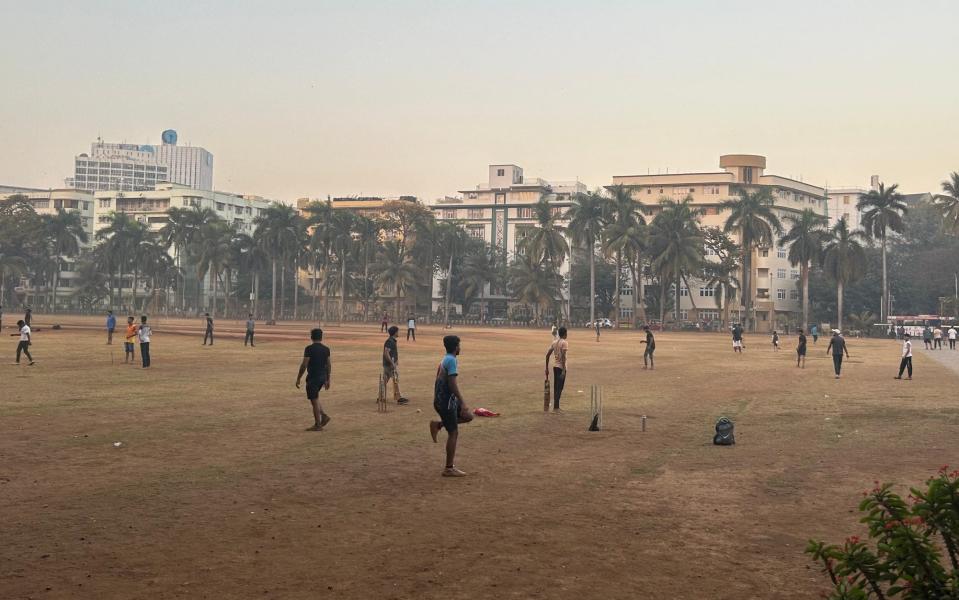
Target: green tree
[(722, 274), (212, 250), (751, 216), (534, 283), (676, 245), (276, 229), (588, 216), (66, 232), (948, 202), (843, 259), (453, 244), (483, 267), (805, 239), (395, 274), (623, 236), (882, 212), (343, 224), (91, 285)]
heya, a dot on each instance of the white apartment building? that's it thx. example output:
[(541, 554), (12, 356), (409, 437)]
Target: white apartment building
[(776, 294), (134, 167), (498, 211)]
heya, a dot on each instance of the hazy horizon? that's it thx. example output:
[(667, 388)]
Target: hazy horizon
[(320, 98)]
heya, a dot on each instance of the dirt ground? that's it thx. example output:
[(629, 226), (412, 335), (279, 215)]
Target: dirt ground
[(218, 492)]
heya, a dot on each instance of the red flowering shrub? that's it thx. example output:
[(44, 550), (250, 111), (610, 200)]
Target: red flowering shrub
[(914, 549)]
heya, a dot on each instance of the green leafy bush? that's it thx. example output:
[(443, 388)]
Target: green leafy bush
[(911, 550)]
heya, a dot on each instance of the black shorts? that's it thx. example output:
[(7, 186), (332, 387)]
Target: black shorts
[(449, 412), (128, 346), (801, 351), (313, 389)]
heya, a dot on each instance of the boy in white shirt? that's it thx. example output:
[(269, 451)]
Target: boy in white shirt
[(906, 361), (951, 334), (24, 346)]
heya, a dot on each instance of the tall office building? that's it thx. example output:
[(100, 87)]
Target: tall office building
[(136, 167)]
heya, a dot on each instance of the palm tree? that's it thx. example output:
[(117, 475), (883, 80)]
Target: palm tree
[(844, 259), (676, 244), (547, 240), (534, 283), (343, 246), (320, 225), (157, 267), (805, 240), (394, 273), (588, 216), (250, 256), (752, 217), (211, 250), (10, 265), (882, 212), (91, 285), (623, 233), (948, 203), (66, 232), (453, 243), (368, 239), (481, 268), (117, 247), (276, 230)]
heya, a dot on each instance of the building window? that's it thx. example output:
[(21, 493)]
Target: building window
[(793, 274), (780, 294), (781, 273), (684, 315), (476, 231), (794, 294), (683, 291), (220, 205), (781, 253), (709, 315), (41, 204), (649, 190), (845, 199), (692, 190), (500, 172), (500, 199), (524, 213), (845, 216), (476, 213), (764, 253), (625, 313), (707, 292), (710, 251), (449, 213)]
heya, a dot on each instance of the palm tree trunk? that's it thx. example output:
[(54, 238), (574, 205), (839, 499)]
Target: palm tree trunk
[(56, 284), (449, 288), (214, 277), (256, 294), (839, 293), (342, 288), (689, 290), (632, 273), (296, 287), (273, 295), (136, 277), (616, 298), (282, 288), (367, 293), (592, 282), (747, 284), (805, 296), (662, 301), (883, 303), (313, 289)]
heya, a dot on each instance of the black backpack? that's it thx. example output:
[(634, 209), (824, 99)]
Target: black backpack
[(724, 433)]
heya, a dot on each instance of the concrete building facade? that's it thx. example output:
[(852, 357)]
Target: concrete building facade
[(776, 293), (498, 212)]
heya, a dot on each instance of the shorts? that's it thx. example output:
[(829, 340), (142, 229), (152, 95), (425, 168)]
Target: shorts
[(801, 351), (128, 347), (313, 389), (737, 343), (388, 373), (449, 412)]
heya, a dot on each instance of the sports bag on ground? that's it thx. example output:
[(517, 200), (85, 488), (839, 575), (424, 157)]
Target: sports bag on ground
[(724, 433)]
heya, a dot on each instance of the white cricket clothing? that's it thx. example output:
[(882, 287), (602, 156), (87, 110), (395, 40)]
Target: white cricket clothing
[(25, 333), (952, 333), (144, 333), (411, 324), (907, 349), (737, 343)]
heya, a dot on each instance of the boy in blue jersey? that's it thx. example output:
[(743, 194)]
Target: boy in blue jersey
[(449, 404)]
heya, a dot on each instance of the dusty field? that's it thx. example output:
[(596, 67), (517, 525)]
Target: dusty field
[(218, 492)]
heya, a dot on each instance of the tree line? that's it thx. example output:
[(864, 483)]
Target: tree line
[(198, 262)]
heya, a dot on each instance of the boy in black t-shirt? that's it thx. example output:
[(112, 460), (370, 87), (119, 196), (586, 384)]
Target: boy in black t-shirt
[(316, 363), (391, 362)]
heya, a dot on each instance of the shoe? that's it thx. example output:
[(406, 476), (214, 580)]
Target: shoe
[(453, 472), (434, 429), (403, 401), (324, 420), (900, 377), (31, 363), (314, 428)]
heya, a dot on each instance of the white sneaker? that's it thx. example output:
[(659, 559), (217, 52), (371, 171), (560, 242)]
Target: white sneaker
[(453, 472)]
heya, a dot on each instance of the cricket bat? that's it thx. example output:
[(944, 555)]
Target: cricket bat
[(546, 395)]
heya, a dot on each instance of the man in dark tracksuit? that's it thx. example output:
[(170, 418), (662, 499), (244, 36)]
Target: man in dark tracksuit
[(838, 346), (208, 335)]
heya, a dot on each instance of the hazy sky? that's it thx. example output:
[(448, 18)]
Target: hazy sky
[(309, 98)]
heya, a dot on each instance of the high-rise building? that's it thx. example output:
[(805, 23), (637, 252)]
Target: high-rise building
[(501, 213), (135, 167), (775, 282)]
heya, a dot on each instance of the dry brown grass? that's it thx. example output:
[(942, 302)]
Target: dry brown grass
[(217, 492)]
